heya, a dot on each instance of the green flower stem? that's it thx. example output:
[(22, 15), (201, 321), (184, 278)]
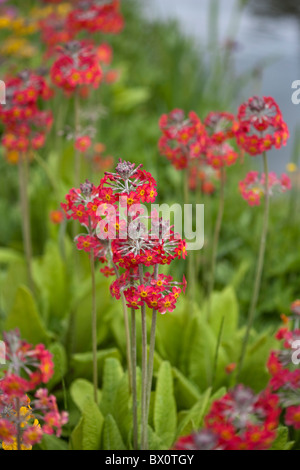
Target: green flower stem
[(77, 131), (133, 381), (126, 321), (216, 237), (151, 348), (259, 269), (94, 322), (25, 216), (18, 424), (144, 420)]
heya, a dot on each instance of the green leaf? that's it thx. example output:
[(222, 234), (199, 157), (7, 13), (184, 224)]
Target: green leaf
[(198, 354), (255, 373), (8, 256), (154, 441), (82, 390), (122, 411), (125, 99), (82, 363), (87, 434), (192, 420), (282, 440), (112, 439), (224, 304), (92, 425), (50, 442), (112, 376), (60, 363), (165, 415), (25, 316), (186, 393), (51, 276)]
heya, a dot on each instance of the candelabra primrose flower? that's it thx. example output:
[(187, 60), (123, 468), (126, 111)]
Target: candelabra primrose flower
[(260, 126), (23, 422)]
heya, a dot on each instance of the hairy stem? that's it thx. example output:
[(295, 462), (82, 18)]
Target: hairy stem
[(126, 323), (259, 268), (151, 348), (133, 381), (77, 131), (94, 322), (144, 420), (25, 216), (216, 237)]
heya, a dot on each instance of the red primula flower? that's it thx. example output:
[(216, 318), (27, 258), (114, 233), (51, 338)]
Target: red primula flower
[(260, 126), (77, 66)]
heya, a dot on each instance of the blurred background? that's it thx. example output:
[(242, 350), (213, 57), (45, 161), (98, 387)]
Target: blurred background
[(263, 37)]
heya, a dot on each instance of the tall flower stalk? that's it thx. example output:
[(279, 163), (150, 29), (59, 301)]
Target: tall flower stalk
[(260, 126), (142, 241), (25, 216)]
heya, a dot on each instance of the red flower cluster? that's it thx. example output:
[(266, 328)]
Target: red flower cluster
[(27, 367), (93, 16), (260, 126), (219, 126), (285, 373), (183, 139), (252, 188), (26, 125), (126, 236), (240, 420), (159, 293), (54, 31), (35, 361), (82, 205), (221, 155), (77, 66)]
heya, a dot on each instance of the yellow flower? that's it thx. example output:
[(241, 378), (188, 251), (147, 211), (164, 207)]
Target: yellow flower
[(26, 415), (5, 22), (17, 47), (291, 167)]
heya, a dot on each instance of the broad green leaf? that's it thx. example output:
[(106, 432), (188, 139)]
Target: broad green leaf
[(282, 440), (254, 373), (82, 390), (112, 439), (125, 99), (92, 425), (88, 432), (165, 415), (198, 354), (154, 441), (50, 442), (82, 363), (7, 256), (16, 275), (122, 410), (76, 436), (186, 393), (224, 304), (60, 363), (53, 280), (193, 419), (25, 316), (112, 376)]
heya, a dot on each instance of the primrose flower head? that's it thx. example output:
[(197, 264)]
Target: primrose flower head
[(260, 126), (252, 188)]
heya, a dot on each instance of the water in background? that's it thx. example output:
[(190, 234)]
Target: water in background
[(270, 40)]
